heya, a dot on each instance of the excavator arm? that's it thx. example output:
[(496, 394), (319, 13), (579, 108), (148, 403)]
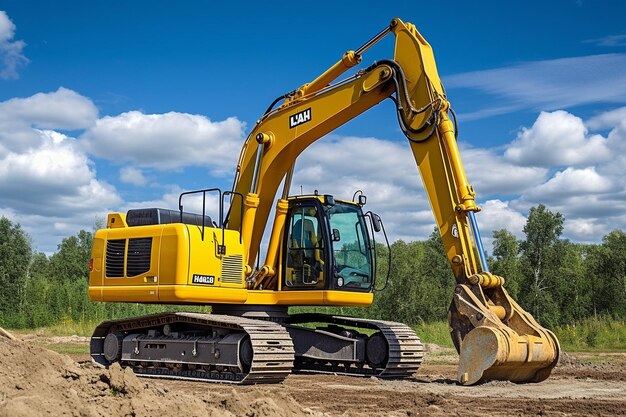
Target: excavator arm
[(496, 338), (318, 108)]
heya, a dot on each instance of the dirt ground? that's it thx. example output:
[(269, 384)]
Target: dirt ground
[(37, 381)]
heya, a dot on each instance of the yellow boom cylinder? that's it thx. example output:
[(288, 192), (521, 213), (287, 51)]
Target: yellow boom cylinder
[(349, 60)]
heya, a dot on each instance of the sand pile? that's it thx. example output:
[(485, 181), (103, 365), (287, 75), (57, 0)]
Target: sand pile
[(35, 381)]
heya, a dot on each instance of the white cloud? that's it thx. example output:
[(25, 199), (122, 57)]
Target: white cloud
[(571, 182), (557, 139), (61, 109), (52, 178), (130, 175), (52, 190), (585, 229), (592, 198), (547, 85), (166, 141), (361, 160), (496, 215), (169, 200), (358, 161), (611, 40), (47, 183), (608, 119), (384, 170), (491, 174), (617, 136), (21, 117), (617, 142), (11, 54)]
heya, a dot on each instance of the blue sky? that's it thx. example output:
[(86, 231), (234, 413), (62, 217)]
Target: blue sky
[(110, 105)]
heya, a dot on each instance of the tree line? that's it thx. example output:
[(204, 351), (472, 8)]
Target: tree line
[(556, 280)]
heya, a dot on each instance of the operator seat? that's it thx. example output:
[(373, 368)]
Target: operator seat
[(304, 236), (304, 254)]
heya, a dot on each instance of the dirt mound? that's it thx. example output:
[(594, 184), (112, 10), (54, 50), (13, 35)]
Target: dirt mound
[(36, 381)]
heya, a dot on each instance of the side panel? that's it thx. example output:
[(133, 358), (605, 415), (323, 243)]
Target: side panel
[(171, 263), (208, 265)]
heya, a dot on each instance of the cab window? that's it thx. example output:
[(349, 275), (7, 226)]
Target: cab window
[(350, 247)]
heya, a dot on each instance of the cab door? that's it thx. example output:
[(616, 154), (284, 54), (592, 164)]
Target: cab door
[(304, 263)]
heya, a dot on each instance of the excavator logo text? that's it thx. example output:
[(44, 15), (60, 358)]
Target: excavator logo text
[(300, 118)]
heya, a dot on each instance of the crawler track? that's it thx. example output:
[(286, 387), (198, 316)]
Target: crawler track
[(272, 348), (404, 356), (272, 357)]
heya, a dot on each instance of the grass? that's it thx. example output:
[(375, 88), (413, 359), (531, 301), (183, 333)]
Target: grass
[(64, 328), (436, 332), (589, 335), (69, 348), (593, 335)]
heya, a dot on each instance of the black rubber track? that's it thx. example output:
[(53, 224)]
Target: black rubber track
[(405, 354), (273, 352)]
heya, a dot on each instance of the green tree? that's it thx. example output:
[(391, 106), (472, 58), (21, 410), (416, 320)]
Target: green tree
[(421, 283), (608, 267), (438, 279), (571, 287), (69, 268), (39, 290), (539, 258), (71, 261), (505, 261), (15, 255), (400, 299)]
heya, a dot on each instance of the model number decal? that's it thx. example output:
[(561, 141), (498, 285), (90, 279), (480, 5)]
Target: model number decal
[(203, 279), (300, 118)]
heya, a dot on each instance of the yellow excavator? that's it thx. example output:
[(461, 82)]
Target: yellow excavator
[(321, 252)]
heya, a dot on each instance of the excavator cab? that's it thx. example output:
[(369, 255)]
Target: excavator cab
[(327, 246)]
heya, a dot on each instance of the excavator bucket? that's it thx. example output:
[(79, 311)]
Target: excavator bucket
[(496, 338)]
